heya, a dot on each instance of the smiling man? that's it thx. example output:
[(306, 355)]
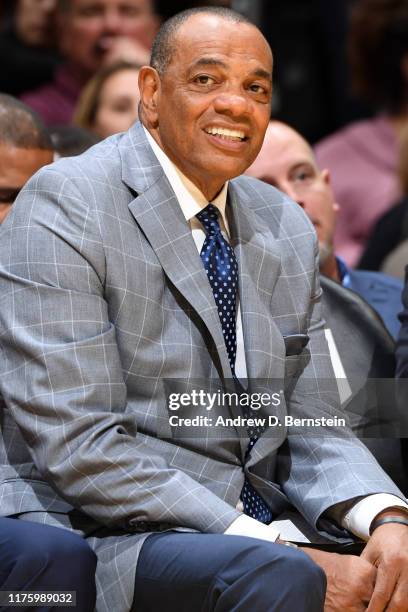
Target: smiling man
[(145, 260)]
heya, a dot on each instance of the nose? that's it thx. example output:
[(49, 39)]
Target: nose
[(290, 190), (233, 104), (113, 22), (48, 5)]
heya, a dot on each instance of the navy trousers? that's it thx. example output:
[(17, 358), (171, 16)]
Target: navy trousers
[(181, 572), (36, 557)]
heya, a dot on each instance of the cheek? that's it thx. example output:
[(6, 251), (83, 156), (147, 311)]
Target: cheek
[(133, 28), (85, 35), (103, 116)]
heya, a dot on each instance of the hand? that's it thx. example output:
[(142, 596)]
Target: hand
[(350, 580), (125, 49), (387, 550)]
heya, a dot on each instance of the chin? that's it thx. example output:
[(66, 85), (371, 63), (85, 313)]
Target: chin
[(325, 251)]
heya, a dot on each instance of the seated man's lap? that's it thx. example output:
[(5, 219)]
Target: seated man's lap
[(183, 572), (40, 557)]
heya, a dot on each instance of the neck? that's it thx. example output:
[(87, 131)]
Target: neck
[(329, 268), (209, 190)]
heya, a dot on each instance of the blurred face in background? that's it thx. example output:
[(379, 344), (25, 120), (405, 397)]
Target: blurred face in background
[(34, 22), (16, 167), (287, 162), (118, 103), (90, 29)]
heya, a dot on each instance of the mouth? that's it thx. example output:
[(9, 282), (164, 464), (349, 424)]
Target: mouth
[(103, 45), (226, 135)]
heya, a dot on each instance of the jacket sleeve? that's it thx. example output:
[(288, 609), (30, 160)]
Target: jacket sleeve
[(61, 373), (321, 466)]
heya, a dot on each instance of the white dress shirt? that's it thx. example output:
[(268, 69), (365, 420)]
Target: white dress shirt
[(359, 517)]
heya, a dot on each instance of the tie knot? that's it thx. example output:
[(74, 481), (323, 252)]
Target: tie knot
[(209, 219)]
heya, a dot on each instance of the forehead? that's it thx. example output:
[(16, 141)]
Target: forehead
[(211, 35), (125, 77), (142, 4), (282, 150), (285, 148)]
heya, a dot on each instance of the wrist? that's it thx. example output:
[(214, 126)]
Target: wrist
[(389, 518)]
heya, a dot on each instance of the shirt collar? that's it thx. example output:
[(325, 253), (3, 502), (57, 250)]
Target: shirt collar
[(190, 198), (344, 272)]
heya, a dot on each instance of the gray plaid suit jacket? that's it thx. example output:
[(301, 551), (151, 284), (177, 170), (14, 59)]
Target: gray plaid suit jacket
[(102, 296)]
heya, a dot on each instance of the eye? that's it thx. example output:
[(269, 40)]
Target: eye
[(303, 174), (256, 88), (204, 79)]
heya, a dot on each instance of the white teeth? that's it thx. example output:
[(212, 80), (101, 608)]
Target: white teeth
[(220, 131)]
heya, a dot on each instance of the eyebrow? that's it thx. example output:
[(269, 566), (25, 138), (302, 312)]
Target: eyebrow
[(262, 74), (212, 61), (209, 61)]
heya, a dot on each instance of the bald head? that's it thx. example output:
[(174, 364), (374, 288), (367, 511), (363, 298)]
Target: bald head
[(282, 146), (287, 162)]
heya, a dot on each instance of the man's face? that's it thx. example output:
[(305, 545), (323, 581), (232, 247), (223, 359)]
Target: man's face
[(90, 28), (211, 106), (16, 167), (118, 103), (34, 21), (287, 162)]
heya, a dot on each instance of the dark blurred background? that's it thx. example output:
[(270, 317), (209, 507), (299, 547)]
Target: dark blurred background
[(308, 38)]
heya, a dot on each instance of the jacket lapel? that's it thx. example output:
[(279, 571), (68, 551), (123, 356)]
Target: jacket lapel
[(259, 267), (158, 213)]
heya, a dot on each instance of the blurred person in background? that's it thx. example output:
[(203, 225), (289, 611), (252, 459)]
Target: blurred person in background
[(287, 162), (363, 157), (389, 239), (361, 347), (24, 148), (27, 45), (92, 34), (109, 102)]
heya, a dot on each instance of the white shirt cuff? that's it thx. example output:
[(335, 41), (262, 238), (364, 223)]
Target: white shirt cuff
[(359, 518), (246, 526)]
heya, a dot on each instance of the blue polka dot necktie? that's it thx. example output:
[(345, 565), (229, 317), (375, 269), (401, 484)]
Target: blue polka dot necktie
[(222, 270)]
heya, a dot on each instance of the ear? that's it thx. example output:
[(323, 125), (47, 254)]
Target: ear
[(150, 88), (325, 174), (326, 177)]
